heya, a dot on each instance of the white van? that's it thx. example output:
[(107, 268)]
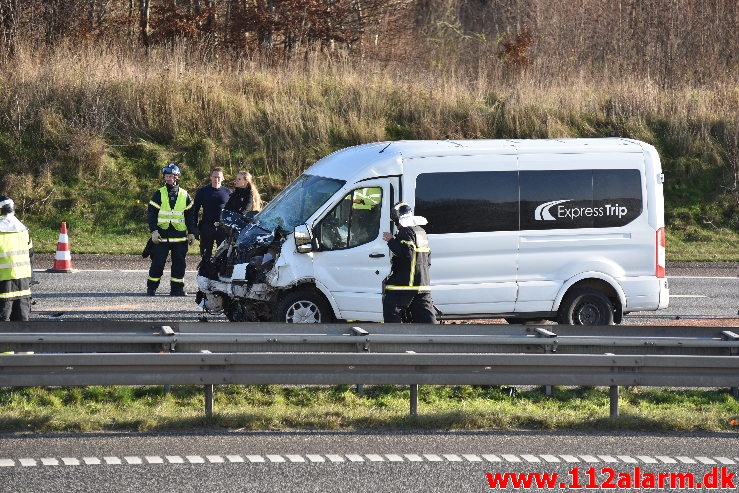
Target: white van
[(565, 229)]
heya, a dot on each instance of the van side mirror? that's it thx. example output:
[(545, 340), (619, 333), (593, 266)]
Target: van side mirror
[(303, 239)]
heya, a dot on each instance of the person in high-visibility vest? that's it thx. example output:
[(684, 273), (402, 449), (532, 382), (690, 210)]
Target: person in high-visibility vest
[(16, 252), (408, 287), (173, 228)]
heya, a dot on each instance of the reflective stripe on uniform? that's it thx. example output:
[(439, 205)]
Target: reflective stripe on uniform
[(175, 279), (172, 214), (16, 294), (22, 263), (17, 252), (173, 240), (154, 279)]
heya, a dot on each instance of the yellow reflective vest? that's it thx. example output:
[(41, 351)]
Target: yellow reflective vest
[(15, 265)]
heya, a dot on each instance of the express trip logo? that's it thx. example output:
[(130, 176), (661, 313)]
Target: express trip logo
[(560, 209)]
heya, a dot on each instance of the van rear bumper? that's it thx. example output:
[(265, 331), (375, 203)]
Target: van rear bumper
[(646, 293)]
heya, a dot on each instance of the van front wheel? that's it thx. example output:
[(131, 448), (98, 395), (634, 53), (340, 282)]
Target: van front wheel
[(302, 307), (586, 306)]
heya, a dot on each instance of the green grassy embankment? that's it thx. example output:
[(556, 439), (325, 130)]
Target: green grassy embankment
[(86, 131), (270, 407)]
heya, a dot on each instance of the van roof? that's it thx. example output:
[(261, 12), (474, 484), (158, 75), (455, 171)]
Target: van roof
[(385, 158)]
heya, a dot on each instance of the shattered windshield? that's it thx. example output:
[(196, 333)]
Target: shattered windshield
[(294, 205)]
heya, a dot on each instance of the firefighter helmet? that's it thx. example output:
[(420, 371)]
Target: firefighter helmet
[(401, 209), (7, 205), (171, 169)]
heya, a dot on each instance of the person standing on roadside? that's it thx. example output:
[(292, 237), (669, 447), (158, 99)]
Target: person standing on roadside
[(212, 198), (173, 228), (408, 287), (246, 196), (16, 253)]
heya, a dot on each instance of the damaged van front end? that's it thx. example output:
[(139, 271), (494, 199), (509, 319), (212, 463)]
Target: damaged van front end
[(250, 270)]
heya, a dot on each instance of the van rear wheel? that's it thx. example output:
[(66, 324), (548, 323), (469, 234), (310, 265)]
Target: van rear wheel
[(302, 307), (585, 306)]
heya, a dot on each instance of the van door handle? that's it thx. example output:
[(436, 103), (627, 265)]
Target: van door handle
[(376, 255)]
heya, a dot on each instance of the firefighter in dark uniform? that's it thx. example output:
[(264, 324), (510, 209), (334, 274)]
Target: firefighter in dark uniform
[(407, 288), (172, 225), (16, 252)]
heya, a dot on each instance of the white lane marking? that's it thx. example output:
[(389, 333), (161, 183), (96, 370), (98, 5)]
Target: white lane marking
[(295, 458), (725, 460), (414, 458), (276, 458), (510, 458), (174, 459), (607, 458), (375, 458), (315, 458), (693, 277), (70, 461), (666, 460), (195, 459), (154, 459), (646, 459), (550, 458), (570, 458), (395, 458), (7, 463), (589, 458), (706, 460), (133, 460), (112, 461), (491, 457), (433, 458), (49, 461), (472, 457), (627, 459), (215, 459), (235, 458), (687, 296), (354, 458), (255, 458), (91, 461), (686, 460), (530, 458), (25, 462), (452, 457), (335, 458)]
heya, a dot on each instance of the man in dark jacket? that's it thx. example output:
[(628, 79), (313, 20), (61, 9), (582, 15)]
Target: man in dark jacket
[(173, 228), (212, 198), (407, 288), (16, 252)]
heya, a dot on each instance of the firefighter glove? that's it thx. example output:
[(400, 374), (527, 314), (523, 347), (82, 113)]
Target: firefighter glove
[(155, 237)]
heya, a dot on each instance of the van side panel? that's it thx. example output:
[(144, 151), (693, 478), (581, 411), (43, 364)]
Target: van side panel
[(473, 270), (568, 196)]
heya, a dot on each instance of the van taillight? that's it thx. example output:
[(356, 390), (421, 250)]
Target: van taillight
[(660, 247)]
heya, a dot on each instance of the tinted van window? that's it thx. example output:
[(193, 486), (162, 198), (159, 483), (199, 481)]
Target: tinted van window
[(472, 201), (579, 198)]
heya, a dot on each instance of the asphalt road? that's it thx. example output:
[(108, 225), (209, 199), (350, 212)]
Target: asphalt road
[(112, 288), (346, 461)]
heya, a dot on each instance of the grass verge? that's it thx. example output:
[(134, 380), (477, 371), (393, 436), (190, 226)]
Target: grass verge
[(270, 407)]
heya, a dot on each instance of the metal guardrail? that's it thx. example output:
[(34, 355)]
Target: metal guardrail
[(346, 354)]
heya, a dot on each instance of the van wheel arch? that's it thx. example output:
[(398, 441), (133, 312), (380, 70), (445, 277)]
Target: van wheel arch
[(597, 296), (302, 304)]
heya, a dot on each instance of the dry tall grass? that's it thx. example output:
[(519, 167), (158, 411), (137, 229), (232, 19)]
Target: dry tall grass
[(79, 110)]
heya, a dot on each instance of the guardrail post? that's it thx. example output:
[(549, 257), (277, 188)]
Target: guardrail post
[(613, 394), (728, 335), (414, 399), (549, 348), (169, 347), (362, 347), (209, 400)]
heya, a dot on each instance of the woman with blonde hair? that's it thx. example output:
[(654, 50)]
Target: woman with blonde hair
[(245, 196)]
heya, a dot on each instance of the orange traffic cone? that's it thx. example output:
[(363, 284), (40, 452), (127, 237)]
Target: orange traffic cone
[(63, 257)]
